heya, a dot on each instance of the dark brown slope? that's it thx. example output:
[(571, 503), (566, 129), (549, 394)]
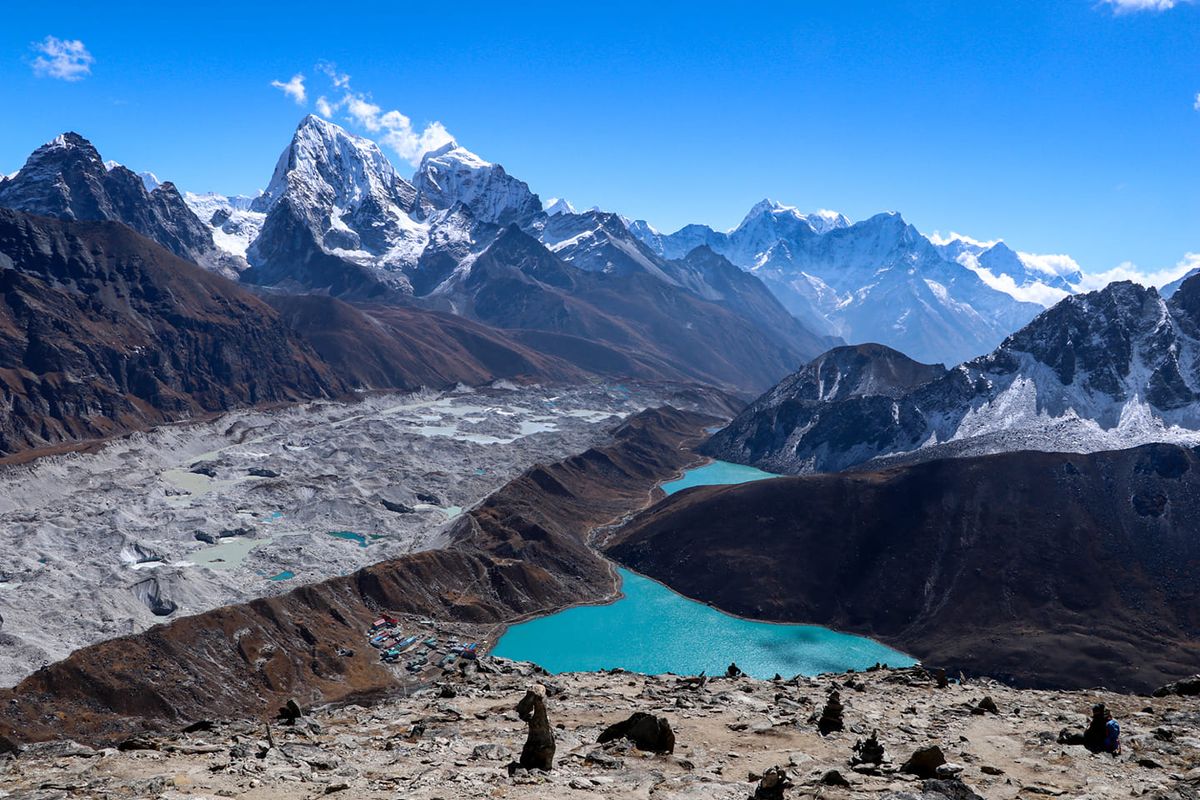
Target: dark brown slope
[(1043, 569), (102, 331), (522, 551), (399, 347)]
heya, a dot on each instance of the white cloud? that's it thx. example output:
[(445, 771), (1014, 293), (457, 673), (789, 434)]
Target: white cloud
[(1130, 272), (1058, 265), (293, 89), (340, 79), (396, 129), (1133, 6), (1039, 293), (393, 129), (940, 240), (65, 59), (1196, 105)]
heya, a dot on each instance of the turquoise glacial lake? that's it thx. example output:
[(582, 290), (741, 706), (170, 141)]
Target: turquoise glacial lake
[(653, 630), (716, 473)]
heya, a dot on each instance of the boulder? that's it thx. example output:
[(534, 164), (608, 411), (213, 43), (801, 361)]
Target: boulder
[(985, 706), (396, 508), (1188, 687), (924, 762), (647, 732), (262, 472), (290, 712), (834, 778)]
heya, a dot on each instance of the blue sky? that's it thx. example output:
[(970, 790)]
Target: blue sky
[(1069, 126)]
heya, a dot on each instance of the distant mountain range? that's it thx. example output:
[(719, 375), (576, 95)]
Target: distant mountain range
[(573, 293), (1105, 370), (462, 237), (337, 218)]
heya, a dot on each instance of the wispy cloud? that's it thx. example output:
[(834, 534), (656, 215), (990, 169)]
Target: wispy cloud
[(1134, 6), (1131, 272), (293, 89), (1196, 105), (392, 128), (64, 59)]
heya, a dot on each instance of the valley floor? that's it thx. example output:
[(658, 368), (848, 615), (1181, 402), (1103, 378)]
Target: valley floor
[(455, 739), (189, 517)]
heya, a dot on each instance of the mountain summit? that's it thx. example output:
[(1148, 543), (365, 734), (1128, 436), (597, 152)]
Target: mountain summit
[(452, 174), (66, 178)]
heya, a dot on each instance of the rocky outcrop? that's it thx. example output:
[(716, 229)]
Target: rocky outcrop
[(646, 731), (1039, 568)]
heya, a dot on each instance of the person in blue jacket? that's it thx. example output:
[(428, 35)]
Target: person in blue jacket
[(1112, 734)]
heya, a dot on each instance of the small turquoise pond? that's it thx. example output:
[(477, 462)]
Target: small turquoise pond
[(653, 630), (351, 536), (716, 473), (287, 574)]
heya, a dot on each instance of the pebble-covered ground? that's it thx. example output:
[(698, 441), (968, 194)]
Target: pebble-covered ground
[(456, 738)]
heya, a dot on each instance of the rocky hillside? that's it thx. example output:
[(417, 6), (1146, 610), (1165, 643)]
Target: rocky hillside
[(899, 737), (520, 552), (387, 346), (1100, 371), (103, 331), (1043, 569)]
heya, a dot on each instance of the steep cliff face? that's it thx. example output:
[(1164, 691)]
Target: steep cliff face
[(522, 551), (1045, 569), (103, 331)]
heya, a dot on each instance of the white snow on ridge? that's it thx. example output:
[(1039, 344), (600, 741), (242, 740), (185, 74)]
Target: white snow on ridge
[(234, 225)]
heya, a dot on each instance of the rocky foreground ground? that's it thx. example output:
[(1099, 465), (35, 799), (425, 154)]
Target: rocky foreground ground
[(458, 738)]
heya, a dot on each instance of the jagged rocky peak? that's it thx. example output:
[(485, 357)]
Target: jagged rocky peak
[(452, 174), (1119, 342), (66, 178), (327, 166)]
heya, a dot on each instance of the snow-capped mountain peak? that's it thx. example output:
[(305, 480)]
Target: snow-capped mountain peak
[(452, 174), (327, 165), (558, 205)]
